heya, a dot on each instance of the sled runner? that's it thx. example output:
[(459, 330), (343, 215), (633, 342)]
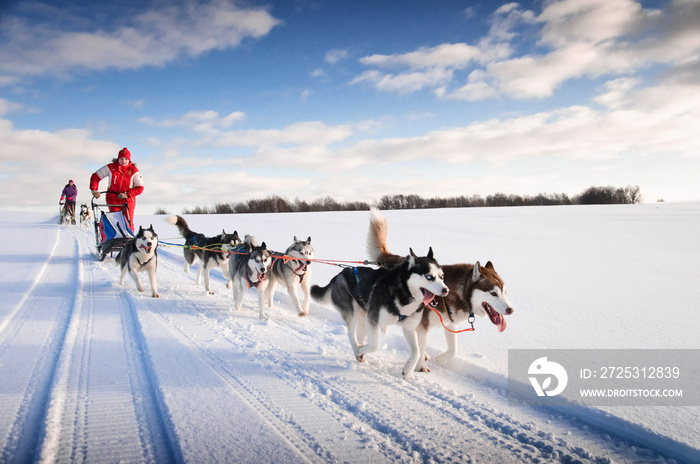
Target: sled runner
[(112, 228)]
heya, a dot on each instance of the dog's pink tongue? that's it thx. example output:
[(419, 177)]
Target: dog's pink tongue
[(428, 298), (500, 322)]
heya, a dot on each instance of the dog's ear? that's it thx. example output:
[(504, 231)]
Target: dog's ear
[(295, 239), (308, 240), (411, 258), (489, 266), (430, 253), (476, 273), (263, 246)]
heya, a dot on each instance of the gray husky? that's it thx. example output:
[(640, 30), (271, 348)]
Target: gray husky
[(250, 267), (370, 300), (293, 272), (211, 251), (140, 254)]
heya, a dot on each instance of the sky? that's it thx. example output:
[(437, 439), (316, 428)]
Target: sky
[(225, 101)]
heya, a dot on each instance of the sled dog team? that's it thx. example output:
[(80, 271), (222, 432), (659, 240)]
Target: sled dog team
[(408, 291)]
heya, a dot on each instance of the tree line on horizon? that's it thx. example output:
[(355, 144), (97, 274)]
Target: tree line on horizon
[(275, 204)]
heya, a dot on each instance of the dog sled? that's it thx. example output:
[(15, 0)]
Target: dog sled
[(112, 228)]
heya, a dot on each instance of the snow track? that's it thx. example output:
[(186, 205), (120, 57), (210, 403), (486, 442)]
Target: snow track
[(35, 332), (93, 372), (85, 396)]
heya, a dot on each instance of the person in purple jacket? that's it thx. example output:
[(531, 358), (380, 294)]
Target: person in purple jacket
[(70, 193)]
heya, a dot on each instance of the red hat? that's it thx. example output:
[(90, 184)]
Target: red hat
[(124, 153)]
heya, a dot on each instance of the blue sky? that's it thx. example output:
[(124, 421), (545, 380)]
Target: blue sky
[(222, 101)]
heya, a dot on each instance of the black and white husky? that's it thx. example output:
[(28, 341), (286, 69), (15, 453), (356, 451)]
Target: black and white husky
[(370, 300), (138, 255), (210, 251), (293, 272), (85, 216), (474, 289), (250, 268)]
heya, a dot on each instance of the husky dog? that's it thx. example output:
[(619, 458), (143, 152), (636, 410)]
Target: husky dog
[(250, 269), (211, 251), (85, 216), (293, 272), (370, 300), (473, 288), (140, 254)]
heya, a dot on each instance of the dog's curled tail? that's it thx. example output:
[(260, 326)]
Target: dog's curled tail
[(376, 235), (180, 223), (376, 241)]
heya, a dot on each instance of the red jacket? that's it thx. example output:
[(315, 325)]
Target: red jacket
[(122, 179)]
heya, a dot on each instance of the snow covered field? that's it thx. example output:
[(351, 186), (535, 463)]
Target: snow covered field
[(93, 372)]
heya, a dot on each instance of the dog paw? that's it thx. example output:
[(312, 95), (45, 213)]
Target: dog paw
[(304, 314), (427, 357), (443, 357), (211, 293), (141, 289), (155, 295), (228, 284), (407, 374), (423, 369), (360, 357)]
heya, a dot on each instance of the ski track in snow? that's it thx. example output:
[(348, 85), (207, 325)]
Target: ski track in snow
[(120, 376)]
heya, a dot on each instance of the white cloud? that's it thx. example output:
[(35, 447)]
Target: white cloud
[(35, 165), (320, 73), (303, 134), (637, 122), (443, 56), (405, 82), (185, 28), (7, 106), (200, 121), (428, 67), (336, 55), (666, 115), (575, 38)]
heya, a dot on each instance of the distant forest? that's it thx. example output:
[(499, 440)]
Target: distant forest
[(276, 204)]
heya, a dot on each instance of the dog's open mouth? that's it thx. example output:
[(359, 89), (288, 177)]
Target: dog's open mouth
[(496, 318), (147, 249), (302, 267), (429, 299)]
